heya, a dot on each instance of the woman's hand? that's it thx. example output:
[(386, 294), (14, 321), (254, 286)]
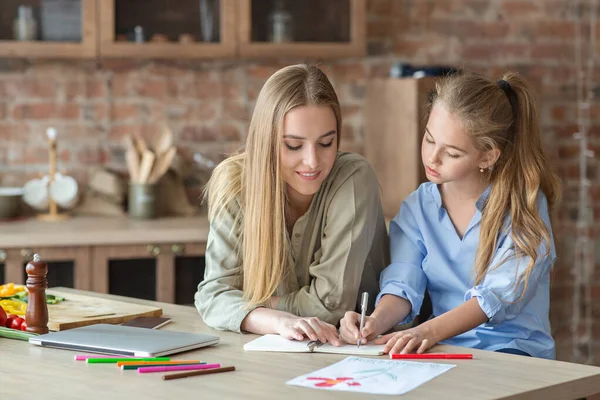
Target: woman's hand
[(418, 339), (349, 328), (292, 327)]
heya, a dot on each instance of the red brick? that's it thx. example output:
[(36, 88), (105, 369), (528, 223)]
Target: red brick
[(14, 132), (121, 111), (92, 156), (31, 88), (235, 111), (520, 9), (87, 89), (233, 83), (157, 89), (207, 89), (120, 85), (381, 27), (3, 111), (205, 111), (165, 69), (261, 71), (552, 51), (35, 154), (198, 133), (46, 111)]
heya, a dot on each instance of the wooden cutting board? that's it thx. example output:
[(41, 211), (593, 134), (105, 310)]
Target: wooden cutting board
[(80, 310)]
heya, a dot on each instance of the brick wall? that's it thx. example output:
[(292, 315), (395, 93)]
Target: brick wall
[(208, 104)]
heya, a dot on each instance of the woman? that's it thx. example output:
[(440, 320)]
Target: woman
[(296, 227)]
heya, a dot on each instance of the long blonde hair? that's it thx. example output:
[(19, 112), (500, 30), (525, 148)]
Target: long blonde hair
[(494, 120), (253, 178)]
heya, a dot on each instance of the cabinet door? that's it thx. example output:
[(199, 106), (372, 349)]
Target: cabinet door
[(56, 29), (307, 28), (67, 266), (167, 29)]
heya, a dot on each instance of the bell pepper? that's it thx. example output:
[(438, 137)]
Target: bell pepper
[(13, 306), (9, 289)]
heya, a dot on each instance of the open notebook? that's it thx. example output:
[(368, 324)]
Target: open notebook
[(278, 344)]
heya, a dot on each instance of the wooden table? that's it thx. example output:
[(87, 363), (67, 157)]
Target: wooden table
[(28, 371)]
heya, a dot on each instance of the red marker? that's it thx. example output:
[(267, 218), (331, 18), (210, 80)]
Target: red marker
[(431, 356)]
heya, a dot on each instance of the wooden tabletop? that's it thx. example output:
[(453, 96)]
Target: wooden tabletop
[(89, 231), (44, 373)]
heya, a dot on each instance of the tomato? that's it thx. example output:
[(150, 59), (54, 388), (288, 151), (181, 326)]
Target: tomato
[(9, 320), (16, 323), (2, 317), (24, 326)]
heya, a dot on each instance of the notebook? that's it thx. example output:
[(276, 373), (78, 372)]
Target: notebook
[(279, 344), (124, 340)]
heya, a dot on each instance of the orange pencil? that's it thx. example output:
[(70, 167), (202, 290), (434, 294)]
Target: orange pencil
[(172, 362)]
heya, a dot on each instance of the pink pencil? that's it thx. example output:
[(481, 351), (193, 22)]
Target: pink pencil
[(81, 357), (177, 368)]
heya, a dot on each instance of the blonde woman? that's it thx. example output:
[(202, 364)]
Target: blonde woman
[(296, 227)]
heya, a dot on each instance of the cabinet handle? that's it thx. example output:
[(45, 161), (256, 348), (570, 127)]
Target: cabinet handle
[(178, 248), (26, 253), (3, 255), (153, 249)]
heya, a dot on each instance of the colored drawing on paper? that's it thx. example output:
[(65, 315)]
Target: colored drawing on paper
[(369, 375), (329, 382)]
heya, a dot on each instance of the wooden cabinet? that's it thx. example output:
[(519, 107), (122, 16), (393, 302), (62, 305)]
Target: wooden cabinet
[(151, 268), (86, 47), (184, 29), (160, 259), (395, 112), (170, 21), (310, 28)]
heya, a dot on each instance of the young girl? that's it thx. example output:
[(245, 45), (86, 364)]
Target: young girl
[(477, 237), (296, 227)]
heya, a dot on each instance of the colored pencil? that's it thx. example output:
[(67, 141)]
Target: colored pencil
[(116, 360), (144, 370), (172, 362), (194, 373), (137, 366), (431, 356)]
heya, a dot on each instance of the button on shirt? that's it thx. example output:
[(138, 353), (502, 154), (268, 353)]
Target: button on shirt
[(427, 254)]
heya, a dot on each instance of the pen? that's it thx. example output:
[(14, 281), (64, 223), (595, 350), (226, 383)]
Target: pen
[(138, 366), (363, 311), (431, 356), (177, 368), (174, 362)]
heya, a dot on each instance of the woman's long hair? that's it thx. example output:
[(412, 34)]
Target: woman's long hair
[(254, 179), (494, 121)]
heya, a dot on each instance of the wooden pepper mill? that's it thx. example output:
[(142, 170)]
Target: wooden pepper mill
[(36, 315)]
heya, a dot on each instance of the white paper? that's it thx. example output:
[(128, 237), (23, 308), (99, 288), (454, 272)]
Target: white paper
[(367, 375), (272, 342)]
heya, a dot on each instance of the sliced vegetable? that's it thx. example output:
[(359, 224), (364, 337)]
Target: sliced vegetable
[(14, 306), (10, 289)]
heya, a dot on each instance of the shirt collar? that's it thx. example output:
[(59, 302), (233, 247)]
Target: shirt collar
[(437, 197)]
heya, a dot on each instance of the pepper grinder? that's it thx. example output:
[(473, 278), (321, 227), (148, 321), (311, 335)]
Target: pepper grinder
[(36, 315)]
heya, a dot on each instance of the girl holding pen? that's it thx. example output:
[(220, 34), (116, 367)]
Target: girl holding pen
[(477, 237), (296, 226)]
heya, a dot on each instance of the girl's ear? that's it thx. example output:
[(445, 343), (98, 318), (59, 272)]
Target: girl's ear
[(489, 158)]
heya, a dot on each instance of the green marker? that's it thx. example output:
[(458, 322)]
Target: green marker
[(136, 366), (116, 360)]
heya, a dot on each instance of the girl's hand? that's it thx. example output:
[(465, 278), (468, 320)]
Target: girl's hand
[(292, 327), (418, 339), (349, 328)]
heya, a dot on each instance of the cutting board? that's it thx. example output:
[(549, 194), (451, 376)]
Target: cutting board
[(80, 310)]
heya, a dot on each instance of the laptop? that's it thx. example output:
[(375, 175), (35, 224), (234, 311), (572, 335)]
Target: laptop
[(124, 340)]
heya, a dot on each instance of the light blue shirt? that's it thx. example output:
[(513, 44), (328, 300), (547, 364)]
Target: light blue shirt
[(427, 253)]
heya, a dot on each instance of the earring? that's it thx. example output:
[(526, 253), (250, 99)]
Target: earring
[(481, 170)]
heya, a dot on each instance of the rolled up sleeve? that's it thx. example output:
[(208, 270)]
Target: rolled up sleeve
[(404, 277), (219, 298), (499, 295), (351, 221)]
